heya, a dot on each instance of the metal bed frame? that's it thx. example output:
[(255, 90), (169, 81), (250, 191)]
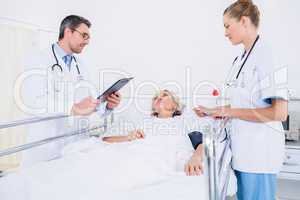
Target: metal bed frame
[(209, 142), (32, 120)]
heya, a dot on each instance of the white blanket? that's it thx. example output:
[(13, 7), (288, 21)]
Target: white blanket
[(101, 171), (91, 169)]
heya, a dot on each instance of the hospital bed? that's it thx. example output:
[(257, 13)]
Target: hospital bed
[(43, 182)]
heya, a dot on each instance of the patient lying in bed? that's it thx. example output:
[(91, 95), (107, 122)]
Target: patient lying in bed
[(157, 153), (167, 130)]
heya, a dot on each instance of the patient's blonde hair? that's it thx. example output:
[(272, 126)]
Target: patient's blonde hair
[(178, 109)]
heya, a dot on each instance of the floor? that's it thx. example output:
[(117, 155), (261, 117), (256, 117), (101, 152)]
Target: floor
[(288, 190)]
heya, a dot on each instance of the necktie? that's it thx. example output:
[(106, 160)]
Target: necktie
[(68, 59)]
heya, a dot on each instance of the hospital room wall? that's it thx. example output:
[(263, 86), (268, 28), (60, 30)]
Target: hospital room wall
[(162, 41)]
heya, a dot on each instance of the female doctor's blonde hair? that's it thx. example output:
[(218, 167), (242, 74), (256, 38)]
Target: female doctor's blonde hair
[(178, 105), (242, 8)]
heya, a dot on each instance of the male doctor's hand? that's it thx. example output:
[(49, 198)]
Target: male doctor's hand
[(113, 100), (85, 107)]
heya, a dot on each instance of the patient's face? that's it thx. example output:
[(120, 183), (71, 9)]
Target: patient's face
[(163, 102)]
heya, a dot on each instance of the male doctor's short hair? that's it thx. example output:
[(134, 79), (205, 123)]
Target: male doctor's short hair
[(242, 8), (72, 22)]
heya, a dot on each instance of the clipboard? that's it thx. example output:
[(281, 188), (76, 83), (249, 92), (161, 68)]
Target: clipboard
[(114, 88)]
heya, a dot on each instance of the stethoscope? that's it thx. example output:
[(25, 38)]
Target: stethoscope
[(234, 82), (59, 66)]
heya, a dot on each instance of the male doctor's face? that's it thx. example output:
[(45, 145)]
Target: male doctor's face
[(79, 38)]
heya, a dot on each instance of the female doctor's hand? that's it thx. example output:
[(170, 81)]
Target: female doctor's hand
[(221, 112), (202, 111), (85, 107), (113, 100), (217, 112)]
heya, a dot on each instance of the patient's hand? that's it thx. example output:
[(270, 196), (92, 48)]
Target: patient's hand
[(137, 134), (194, 166)]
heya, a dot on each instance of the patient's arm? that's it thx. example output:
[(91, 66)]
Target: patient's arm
[(195, 166), (133, 135)]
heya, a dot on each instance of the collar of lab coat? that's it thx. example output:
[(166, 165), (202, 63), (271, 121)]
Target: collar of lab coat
[(60, 52)]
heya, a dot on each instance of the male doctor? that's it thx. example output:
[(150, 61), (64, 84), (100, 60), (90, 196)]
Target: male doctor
[(57, 84)]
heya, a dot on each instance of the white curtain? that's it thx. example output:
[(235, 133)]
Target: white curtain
[(16, 42)]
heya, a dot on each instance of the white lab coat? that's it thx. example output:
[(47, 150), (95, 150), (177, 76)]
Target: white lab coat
[(257, 147), (48, 92)]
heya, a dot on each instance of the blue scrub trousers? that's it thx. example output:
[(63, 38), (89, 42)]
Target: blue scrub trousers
[(253, 186)]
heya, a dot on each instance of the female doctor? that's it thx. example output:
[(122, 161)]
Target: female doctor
[(57, 83), (257, 106)]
